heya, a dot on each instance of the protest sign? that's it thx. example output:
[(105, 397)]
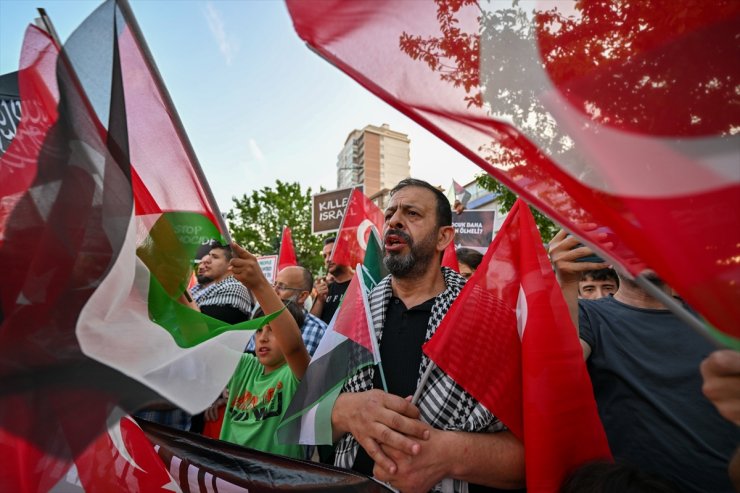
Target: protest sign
[(268, 264), (474, 229), (327, 210)]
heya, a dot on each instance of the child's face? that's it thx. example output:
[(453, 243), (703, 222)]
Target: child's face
[(593, 290), (267, 350)]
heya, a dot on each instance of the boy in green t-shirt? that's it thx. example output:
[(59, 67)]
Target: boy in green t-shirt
[(263, 385)]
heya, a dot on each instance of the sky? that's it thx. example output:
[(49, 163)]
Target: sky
[(256, 103)]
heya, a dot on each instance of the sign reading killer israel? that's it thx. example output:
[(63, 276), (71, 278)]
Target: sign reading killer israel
[(474, 229), (327, 210)]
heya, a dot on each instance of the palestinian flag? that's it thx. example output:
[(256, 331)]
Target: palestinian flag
[(457, 193), (104, 211), (348, 345)]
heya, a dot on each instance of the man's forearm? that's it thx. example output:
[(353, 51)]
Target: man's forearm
[(491, 459), (317, 307), (339, 416), (570, 293)]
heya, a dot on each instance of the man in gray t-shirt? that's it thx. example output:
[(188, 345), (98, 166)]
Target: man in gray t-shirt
[(644, 366)]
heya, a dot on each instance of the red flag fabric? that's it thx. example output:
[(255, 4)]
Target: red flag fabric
[(359, 217), (119, 460), (123, 460), (509, 341), (286, 257), (99, 229), (352, 320), (449, 258), (60, 235), (574, 109), (212, 429)]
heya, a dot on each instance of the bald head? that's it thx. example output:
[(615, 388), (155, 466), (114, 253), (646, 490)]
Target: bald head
[(294, 282)]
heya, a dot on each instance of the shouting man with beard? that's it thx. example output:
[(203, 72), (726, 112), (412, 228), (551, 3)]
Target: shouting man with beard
[(448, 440)]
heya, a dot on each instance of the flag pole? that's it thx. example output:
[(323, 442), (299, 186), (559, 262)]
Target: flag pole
[(679, 310), (371, 326), (50, 27), (169, 104), (423, 382)]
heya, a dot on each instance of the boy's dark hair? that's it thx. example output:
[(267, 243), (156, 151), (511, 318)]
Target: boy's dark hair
[(601, 275), (331, 239), (295, 310), (444, 212), (608, 477), (225, 248), (469, 257), (205, 248)]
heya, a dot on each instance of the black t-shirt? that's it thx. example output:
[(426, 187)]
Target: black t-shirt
[(644, 367), (336, 293), (400, 353)]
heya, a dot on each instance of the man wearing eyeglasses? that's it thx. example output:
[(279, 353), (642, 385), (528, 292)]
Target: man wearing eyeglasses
[(293, 285)]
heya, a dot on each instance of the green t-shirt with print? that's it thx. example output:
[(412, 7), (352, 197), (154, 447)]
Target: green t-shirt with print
[(256, 405)]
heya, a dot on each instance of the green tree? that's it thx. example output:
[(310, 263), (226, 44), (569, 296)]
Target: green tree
[(599, 57), (256, 222)]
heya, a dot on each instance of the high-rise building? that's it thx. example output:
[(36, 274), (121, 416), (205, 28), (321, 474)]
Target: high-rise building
[(375, 157)]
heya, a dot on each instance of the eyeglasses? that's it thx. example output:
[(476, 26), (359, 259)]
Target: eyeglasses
[(282, 287)]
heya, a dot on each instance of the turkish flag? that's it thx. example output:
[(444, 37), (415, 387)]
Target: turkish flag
[(509, 341), (618, 117), (360, 216)]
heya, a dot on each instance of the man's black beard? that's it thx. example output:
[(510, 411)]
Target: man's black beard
[(337, 270), (203, 279), (414, 263)]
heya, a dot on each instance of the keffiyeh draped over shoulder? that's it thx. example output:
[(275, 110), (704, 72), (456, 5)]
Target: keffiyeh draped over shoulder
[(443, 403), (228, 292)]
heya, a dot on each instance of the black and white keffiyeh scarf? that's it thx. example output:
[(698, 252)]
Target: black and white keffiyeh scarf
[(228, 292), (443, 404)]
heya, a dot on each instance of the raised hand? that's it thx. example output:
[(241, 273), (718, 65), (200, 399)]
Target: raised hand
[(246, 269)]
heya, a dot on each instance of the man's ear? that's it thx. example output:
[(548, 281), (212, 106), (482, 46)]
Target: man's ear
[(302, 297), (445, 237)]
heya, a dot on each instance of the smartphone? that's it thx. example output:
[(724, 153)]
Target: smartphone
[(588, 258)]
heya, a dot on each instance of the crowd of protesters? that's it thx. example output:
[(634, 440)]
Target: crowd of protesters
[(669, 400)]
